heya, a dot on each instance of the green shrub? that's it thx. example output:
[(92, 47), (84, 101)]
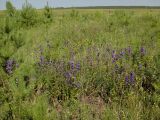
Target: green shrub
[(28, 15), (48, 14), (10, 9)]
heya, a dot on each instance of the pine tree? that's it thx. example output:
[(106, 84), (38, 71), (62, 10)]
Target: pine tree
[(48, 13), (10, 9)]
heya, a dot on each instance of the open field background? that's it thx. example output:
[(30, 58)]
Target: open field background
[(79, 64)]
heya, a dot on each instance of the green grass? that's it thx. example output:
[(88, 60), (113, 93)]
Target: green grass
[(39, 90)]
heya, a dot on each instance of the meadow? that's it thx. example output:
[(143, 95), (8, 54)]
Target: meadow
[(79, 64)]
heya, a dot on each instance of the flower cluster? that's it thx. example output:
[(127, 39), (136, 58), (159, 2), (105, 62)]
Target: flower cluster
[(130, 79), (119, 66), (9, 66), (70, 75), (124, 52)]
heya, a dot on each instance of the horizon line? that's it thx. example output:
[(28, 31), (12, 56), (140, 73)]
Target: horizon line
[(109, 6)]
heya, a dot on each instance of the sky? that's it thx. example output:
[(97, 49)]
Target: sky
[(78, 3)]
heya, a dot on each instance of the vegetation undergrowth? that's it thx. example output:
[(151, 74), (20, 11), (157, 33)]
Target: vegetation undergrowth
[(73, 65)]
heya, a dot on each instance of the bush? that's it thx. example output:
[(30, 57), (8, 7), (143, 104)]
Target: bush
[(10, 9), (28, 15), (48, 14)]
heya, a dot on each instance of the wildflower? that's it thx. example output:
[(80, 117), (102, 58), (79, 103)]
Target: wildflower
[(113, 54), (68, 75), (129, 50), (9, 66), (127, 80), (122, 53), (78, 66), (113, 60), (71, 64), (132, 77), (41, 60), (142, 51)]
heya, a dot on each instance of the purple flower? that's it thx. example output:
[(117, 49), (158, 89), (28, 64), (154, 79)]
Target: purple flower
[(78, 66), (41, 60), (127, 80), (113, 54), (71, 64), (113, 60), (142, 50), (68, 75), (9, 66), (132, 77), (129, 50), (122, 53)]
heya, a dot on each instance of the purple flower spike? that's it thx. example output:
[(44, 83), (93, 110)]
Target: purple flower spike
[(113, 54), (132, 77), (127, 80), (142, 50), (122, 53), (113, 61), (9, 66), (78, 66), (71, 64), (129, 50), (41, 60), (68, 75)]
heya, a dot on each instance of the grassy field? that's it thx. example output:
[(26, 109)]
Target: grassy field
[(79, 64)]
